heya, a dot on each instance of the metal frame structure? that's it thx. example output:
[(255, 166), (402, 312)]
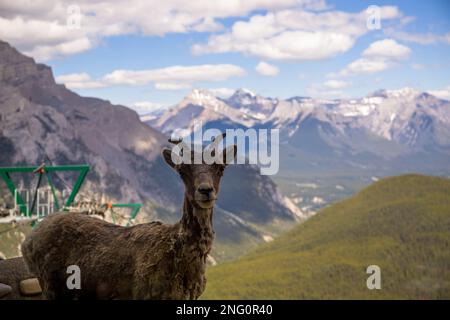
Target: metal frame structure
[(135, 206), (5, 174)]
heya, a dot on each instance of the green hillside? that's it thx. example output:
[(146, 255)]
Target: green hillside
[(401, 224)]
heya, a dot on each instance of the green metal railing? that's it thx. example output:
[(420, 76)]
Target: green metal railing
[(135, 206), (5, 174)]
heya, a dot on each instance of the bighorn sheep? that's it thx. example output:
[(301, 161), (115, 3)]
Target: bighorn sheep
[(147, 261)]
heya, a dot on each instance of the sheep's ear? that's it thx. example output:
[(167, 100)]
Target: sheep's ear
[(229, 154), (167, 155)]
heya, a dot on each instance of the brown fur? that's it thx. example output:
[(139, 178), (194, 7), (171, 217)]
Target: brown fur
[(148, 261), (12, 271)]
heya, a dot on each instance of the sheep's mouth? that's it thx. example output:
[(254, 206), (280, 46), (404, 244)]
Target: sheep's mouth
[(205, 197), (206, 203)]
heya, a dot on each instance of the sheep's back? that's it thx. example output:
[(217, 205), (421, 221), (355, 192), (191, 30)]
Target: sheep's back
[(108, 255), (61, 240)]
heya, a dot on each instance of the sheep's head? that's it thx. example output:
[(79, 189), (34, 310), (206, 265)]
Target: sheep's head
[(201, 180)]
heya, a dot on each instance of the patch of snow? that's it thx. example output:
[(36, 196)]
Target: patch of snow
[(404, 92), (318, 200), (307, 185), (296, 211), (393, 116), (235, 218), (147, 117), (372, 100), (267, 238), (297, 200), (201, 96)]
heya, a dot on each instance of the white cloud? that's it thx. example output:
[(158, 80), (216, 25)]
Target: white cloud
[(176, 75), (208, 24), (289, 45), (40, 27), (329, 89), (442, 93), (43, 40), (47, 52), (366, 66), (387, 48), (30, 32), (170, 78), (379, 56), (293, 34), (172, 86), (266, 69), (336, 84), (289, 30), (79, 81), (420, 38)]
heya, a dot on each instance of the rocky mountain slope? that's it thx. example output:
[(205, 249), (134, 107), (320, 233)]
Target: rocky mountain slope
[(41, 121), (407, 117), (337, 146)]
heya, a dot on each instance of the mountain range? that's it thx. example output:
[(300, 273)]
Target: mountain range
[(415, 120), (42, 121), (330, 148)]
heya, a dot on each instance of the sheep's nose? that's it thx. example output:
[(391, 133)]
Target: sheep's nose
[(205, 190)]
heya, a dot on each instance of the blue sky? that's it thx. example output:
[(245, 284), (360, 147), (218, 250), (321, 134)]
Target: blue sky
[(307, 47)]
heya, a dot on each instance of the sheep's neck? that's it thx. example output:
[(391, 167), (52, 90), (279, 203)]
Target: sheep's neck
[(197, 227)]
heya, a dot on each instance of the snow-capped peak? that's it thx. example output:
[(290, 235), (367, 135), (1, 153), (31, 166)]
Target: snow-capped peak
[(405, 92), (244, 91), (243, 96), (389, 114), (201, 96)]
